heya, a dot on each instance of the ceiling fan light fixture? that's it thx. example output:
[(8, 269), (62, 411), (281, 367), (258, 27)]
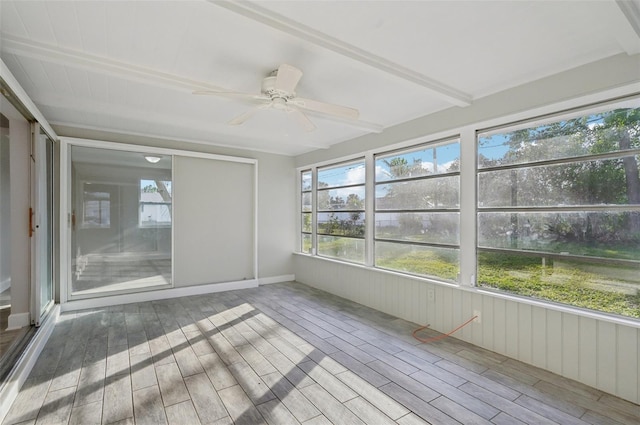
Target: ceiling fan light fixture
[(153, 159)]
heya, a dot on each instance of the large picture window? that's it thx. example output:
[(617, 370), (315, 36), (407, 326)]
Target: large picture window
[(340, 211), (417, 210), (559, 211)]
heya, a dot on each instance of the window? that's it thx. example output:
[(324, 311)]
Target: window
[(417, 210), (96, 206), (340, 211), (155, 203), (559, 211), (307, 211)]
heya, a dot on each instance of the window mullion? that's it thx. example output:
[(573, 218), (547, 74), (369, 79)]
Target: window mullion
[(369, 217), (314, 211), (468, 205)]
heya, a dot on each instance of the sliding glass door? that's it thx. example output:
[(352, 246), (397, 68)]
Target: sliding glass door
[(121, 220), (41, 222)]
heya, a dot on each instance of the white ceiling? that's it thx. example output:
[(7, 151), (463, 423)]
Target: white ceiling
[(130, 66)]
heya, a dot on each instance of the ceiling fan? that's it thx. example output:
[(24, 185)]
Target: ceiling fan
[(278, 92)]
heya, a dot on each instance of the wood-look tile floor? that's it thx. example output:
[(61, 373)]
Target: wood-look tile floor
[(285, 354)]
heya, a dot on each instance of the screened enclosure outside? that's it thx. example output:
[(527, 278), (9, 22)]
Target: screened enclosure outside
[(417, 210), (340, 211), (559, 211), (121, 221)]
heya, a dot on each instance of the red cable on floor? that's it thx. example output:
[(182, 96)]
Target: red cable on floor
[(439, 337)]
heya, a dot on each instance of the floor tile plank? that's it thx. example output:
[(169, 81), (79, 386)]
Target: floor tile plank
[(301, 408), (147, 406), (171, 384), (326, 380), (87, 414), (367, 412), (57, 406), (334, 410), (251, 383), (118, 401), (240, 407), (27, 404), (217, 371), (182, 413), (206, 401), (276, 413)]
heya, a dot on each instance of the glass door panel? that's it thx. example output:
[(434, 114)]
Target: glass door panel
[(121, 221), (42, 224), (5, 223)]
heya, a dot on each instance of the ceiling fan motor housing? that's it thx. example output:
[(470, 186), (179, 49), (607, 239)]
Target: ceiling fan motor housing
[(269, 89)]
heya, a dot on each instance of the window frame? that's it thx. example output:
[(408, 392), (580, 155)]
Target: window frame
[(317, 190), (141, 204), (303, 212), (84, 224), (434, 144), (577, 259)]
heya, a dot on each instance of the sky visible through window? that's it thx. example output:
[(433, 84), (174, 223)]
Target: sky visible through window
[(445, 157), (494, 147), (342, 176)]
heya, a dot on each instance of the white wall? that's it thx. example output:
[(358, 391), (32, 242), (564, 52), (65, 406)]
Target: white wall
[(589, 348)]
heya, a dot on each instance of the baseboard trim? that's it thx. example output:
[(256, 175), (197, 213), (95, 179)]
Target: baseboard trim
[(27, 360), (5, 284), (158, 295), (18, 320), (276, 279)]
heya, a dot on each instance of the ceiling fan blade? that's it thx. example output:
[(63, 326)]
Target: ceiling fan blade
[(326, 108), (303, 120), (287, 78), (253, 98), (248, 114)]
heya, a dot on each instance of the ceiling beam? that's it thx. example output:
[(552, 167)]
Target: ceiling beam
[(631, 11), (98, 64), (259, 14)]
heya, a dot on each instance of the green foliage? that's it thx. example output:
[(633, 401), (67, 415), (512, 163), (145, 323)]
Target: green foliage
[(352, 226), (398, 167), (527, 276), (343, 248), (427, 263)]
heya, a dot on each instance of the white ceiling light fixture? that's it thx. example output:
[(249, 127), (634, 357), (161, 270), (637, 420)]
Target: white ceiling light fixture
[(278, 92), (154, 159)]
